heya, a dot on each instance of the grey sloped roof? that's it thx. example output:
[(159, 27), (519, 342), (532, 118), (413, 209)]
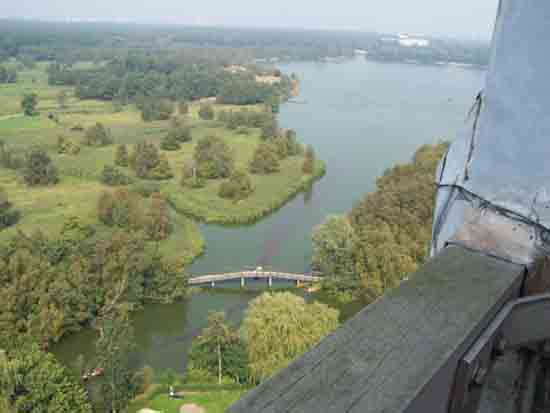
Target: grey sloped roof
[(495, 180)]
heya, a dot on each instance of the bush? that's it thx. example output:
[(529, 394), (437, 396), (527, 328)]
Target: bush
[(157, 223), (39, 169), (170, 143), (180, 134), (145, 189), (121, 158), (29, 103), (213, 158), (156, 109), (67, 146), (8, 159), (206, 112), (114, 177), (8, 215), (237, 187), (308, 166), (265, 159), (97, 135), (190, 177)]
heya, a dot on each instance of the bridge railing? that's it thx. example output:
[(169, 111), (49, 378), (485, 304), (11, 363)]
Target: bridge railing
[(403, 353)]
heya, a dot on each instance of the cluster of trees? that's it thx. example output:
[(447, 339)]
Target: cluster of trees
[(277, 328), (39, 169), (385, 236), (149, 163), (213, 158), (238, 187), (245, 119), (54, 286), (125, 209), (8, 214), (267, 156), (8, 74), (155, 108), (113, 176), (34, 381)]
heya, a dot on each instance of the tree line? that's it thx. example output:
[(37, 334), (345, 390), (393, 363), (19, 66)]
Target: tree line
[(385, 236)]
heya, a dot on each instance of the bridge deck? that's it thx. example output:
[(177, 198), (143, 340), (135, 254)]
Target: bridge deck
[(205, 279)]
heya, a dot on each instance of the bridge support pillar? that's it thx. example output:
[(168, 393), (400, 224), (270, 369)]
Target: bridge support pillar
[(270, 282), (242, 282), (212, 284)]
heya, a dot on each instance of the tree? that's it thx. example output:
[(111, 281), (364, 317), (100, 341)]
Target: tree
[(237, 187), (121, 157), (280, 327), (8, 215), (213, 158), (149, 164), (29, 103), (62, 99), (97, 135), (158, 218), (39, 169), (114, 349), (308, 166), (219, 351), (334, 247), (265, 159), (34, 381), (206, 112), (270, 129)]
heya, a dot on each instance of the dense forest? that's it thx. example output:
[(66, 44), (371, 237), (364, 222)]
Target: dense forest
[(69, 43), (385, 236)]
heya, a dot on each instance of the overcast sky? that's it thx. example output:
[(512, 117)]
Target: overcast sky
[(457, 18)]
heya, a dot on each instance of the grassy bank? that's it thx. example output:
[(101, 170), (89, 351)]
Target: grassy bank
[(79, 188)]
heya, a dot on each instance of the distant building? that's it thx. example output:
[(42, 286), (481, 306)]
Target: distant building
[(360, 52)]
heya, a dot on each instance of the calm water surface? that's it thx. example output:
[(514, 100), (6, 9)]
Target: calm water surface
[(361, 117)]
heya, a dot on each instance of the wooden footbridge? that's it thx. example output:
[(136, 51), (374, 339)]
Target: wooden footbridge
[(258, 274)]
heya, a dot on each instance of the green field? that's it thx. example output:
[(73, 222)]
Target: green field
[(79, 188)]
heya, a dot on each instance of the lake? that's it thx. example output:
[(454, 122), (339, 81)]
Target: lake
[(362, 117)]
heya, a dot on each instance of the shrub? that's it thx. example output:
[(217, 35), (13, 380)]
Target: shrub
[(183, 108), (29, 103), (156, 109), (237, 187), (8, 215), (206, 112), (145, 189), (114, 177), (180, 134), (170, 143), (39, 169), (190, 177), (97, 135), (121, 157), (265, 159), (67, 146)]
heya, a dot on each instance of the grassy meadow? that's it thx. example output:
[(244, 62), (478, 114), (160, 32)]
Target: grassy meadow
[(78, 191)]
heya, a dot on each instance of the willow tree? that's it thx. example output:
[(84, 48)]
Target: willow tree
[(280, 327)]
